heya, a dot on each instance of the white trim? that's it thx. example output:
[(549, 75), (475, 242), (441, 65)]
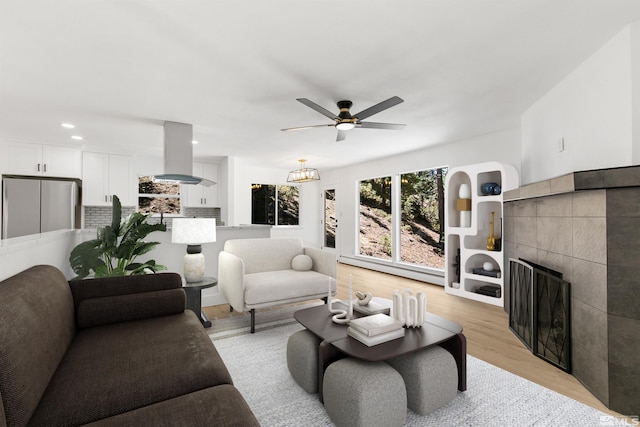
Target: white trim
[(432, 276)]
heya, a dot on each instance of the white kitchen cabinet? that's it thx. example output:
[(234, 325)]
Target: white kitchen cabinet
[(106, 175), (467, 248), (43, 160), (199, 196)]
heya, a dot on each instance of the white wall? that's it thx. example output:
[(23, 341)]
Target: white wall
[(501, 146), (51, 248), (591, 109)]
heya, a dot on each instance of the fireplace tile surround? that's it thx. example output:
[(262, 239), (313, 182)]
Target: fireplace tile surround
[(587, 226)]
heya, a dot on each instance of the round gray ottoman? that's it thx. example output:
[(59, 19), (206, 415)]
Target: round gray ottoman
[(364, 394), (431, 378), (302, 359)]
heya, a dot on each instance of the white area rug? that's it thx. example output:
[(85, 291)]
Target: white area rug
[(494, 397)]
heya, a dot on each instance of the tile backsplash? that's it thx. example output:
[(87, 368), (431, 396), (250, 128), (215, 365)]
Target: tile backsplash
[(100, 216)]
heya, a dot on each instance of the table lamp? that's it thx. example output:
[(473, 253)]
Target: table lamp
[(194, 232)]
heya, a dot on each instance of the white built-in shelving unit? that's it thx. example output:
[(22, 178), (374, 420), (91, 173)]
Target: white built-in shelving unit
[(472, 240)]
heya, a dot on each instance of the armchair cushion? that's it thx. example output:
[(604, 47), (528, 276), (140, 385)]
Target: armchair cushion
[(282, 286), (301, 263)]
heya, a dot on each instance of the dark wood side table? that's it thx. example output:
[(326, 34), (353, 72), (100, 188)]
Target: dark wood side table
[(194, 297)]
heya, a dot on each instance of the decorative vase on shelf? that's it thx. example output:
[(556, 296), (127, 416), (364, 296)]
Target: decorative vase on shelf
[(491, 240), (464, 205), (491, 189)]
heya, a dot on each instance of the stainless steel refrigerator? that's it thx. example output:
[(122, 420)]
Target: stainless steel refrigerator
[(37, 205)]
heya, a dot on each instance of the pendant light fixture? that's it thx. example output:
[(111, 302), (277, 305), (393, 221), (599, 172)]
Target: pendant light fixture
[(303, 174)]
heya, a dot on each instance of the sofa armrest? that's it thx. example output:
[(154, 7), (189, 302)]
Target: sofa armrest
[(118, 299), (231, 279), (323, 261)]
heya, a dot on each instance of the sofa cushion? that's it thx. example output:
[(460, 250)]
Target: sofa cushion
[(36, 327), (122, 308), (115, 368), (265, 254), (301, 263), (222, 406), (273, 286)]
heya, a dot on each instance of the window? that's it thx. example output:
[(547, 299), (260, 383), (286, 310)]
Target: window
[(274, 204), (422, 217), (375, 218), (418, 236), (156, 198)]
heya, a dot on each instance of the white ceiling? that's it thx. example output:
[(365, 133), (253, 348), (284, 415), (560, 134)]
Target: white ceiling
[(119, 68)]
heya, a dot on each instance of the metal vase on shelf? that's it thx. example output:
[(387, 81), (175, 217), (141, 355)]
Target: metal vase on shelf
[(491, 240)]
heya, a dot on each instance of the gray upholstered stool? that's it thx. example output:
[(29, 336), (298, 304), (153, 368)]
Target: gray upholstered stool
[(431, 378), (358, 393), (302, 359)]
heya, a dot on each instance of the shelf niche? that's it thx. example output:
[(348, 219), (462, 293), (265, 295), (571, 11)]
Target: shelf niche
[(455, 180), (472, 241)]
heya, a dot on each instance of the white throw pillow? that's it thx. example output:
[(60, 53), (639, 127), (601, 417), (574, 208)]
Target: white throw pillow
[(301, 263)]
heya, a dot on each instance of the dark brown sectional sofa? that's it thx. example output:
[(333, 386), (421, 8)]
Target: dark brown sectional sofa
[(109, 352)]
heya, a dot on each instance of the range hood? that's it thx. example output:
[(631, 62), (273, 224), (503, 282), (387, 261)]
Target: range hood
[(178, 156)]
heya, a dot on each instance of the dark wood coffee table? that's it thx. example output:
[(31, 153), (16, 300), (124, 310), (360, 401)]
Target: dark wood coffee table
[(337, 343)]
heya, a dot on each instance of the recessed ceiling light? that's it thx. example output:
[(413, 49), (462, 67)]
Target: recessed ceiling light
[(194, 142), (67, 125), (77, 137)]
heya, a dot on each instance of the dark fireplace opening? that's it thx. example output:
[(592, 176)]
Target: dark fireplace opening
[(539, 311)]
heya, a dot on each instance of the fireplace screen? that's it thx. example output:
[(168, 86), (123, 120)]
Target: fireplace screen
[(539, 311)]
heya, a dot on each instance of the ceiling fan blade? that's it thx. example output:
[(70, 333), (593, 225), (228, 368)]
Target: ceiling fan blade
[(374, 125), (318, 108), (342, 135), (307, 127), (378, 107)]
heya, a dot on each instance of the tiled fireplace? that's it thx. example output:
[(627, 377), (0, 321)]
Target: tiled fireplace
[(587, 226)]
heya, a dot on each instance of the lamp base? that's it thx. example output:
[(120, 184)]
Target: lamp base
[(194, 267)]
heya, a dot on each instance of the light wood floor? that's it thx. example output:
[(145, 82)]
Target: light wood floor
[(485, 327)]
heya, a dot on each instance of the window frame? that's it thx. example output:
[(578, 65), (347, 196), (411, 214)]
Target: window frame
[(276, 205), (396, 223), (180, 196)]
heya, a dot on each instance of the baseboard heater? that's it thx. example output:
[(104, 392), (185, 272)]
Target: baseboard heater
[(540, 311)]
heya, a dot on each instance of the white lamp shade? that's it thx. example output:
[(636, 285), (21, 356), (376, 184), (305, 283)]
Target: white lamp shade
[(193, 231)]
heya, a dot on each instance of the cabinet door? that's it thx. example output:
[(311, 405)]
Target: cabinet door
[(121, 179), (210, 194), (199, 196), (61, 161), (95, 179), (26, 159), (192, 194)]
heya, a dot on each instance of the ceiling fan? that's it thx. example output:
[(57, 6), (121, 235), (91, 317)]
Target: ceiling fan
[(344, 121)]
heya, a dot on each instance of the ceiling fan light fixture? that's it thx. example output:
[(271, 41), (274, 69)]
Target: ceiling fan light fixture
[(303, 174), (345, 126)]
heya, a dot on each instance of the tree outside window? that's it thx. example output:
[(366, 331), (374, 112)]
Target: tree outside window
[(422, 217), (375, 218), (419, 200), (156, 197), (274, 204)]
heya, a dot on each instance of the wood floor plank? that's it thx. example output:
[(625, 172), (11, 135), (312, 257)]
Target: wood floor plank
[(486, 328)]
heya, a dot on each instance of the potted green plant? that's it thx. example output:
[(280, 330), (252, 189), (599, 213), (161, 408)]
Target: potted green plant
[(117, 247)]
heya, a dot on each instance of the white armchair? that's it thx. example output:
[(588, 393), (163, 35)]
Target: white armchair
[(259, 273)]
